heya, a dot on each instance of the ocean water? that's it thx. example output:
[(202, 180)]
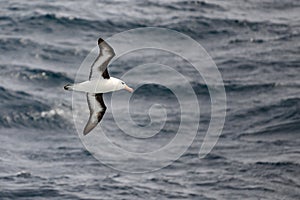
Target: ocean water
[(254, 43)]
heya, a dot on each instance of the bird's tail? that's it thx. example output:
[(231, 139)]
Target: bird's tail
[(68, 87)]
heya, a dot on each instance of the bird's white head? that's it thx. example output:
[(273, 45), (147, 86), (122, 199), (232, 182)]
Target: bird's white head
[(126, 87), (119, 85)]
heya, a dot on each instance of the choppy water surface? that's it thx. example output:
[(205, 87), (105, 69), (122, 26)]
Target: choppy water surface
[(254, 43)]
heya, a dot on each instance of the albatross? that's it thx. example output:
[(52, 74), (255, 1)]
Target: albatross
[(99, 82)]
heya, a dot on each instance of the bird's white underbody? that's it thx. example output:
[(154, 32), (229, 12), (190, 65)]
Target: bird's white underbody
[(101, 86)]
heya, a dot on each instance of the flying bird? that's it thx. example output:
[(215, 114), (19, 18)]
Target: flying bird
[(99, 82)]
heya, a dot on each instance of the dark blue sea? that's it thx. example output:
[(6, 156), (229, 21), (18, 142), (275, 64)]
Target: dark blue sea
[(254, 44)]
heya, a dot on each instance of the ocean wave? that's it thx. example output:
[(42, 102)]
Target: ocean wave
[(278, 5), (200, 27), (237, 63), (287, 36), (235, 87), (287, 129), (203, 89), (51, 19), (28, 117), (35, 49), (285, 109), (27, 75), (20, 109), (202, 4), (16, 43), (30, 193), (278, 164), (8, 95), (148, 90), (190, 24), (53, 22), (191, 6), (275, 122)]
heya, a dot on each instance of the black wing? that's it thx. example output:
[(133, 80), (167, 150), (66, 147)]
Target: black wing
[(99, 67), (97, 110)]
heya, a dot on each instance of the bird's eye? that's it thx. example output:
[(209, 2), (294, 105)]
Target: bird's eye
[(123, 83)]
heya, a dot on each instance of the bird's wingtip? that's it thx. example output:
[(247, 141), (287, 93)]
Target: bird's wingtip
[(89, 127), (100, 40), (85, 132)]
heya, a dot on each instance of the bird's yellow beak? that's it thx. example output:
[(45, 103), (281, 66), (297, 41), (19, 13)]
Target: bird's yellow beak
[(129, 89)]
